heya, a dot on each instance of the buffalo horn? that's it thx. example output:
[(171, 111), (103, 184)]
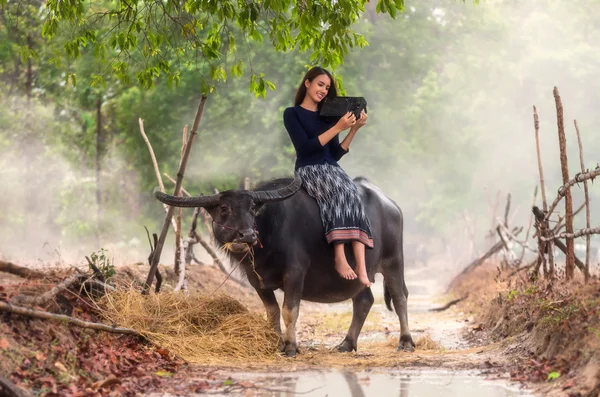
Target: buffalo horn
[(270, 196), (191, 202)]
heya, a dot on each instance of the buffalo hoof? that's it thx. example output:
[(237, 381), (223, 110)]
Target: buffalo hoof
[(346, 347), (290, 349), (406, 344)]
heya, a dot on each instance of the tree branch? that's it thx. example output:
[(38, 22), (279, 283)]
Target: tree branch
[(49, 295), (7, 307), (515, 239), (574, 235), (20, 271), (581, 177), (154, 162), (9, 389)]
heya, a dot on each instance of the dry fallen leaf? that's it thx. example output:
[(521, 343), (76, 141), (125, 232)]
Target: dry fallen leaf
[(61, 367), (111, 380), (3, 344), (569, 384)]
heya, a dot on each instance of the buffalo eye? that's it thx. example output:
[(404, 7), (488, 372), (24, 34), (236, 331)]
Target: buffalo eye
[(224, 209)]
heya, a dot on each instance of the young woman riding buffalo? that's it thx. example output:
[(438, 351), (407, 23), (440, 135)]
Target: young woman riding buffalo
[(318, 150)]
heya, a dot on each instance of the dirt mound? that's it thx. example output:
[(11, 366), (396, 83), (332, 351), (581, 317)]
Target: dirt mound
[(51, 358), (552, 330)]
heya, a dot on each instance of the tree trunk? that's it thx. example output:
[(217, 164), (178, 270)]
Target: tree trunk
[(29, 81), (99, 152)]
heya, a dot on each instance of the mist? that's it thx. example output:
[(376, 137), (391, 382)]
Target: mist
[(447, 142)]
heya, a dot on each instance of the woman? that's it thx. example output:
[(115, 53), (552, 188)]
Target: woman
[(318, 149)]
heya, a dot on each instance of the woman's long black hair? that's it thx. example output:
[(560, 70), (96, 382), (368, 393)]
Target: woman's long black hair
[(310, 75)]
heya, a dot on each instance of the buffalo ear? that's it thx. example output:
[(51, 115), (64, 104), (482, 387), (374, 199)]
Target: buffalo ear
[(259, 208), (212, 209)]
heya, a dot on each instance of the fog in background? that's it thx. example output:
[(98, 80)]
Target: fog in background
[(444, 144)]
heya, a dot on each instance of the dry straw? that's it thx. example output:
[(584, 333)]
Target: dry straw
[(197, 328)]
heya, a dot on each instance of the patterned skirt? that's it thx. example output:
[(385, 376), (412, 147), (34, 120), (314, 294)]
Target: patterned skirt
[(341, 209)]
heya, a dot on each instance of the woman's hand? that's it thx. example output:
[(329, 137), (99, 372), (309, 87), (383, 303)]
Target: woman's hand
[(346, 121), (362, 121)]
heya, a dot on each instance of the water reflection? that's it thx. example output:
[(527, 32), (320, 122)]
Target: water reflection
[(377, 384)]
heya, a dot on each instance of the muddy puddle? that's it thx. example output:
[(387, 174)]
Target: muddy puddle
[(409, 383)]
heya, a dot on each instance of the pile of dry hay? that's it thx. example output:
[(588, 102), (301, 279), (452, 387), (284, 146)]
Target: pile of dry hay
[(197, 328)]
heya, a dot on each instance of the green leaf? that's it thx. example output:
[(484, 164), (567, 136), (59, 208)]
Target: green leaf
[(97, 81), (553, 375), (218, 73)]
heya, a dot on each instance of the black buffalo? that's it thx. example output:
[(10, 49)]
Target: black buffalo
[(281, 224)]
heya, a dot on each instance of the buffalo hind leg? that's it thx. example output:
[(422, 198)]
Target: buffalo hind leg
[(396, 287), (292, 291), (272, 308), (361, 305)]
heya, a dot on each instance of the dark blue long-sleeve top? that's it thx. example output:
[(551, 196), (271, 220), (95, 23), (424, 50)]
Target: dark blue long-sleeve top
[(304, 127)]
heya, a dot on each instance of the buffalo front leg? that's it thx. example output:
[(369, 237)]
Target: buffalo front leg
[(361, 305), (292, 289), (272, 308)]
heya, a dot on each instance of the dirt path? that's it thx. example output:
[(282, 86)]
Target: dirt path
[(440, 337)]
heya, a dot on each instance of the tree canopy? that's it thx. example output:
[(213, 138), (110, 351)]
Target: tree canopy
[(156, 39)]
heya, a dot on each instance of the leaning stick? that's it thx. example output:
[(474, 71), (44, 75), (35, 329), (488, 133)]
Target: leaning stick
[(541, 225), (156, 169), (528, 227), (196, 238), (559, 244), (507, 210), (169, 216), (564, 166), (176, 226), (587, 206), (559, 224), (21, 271), (49, 295), (154, 162), (179, 253), (514, 238), (174, 182), (7, 307)]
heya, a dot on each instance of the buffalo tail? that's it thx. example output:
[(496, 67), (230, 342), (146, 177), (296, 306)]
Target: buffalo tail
[(387, 297)]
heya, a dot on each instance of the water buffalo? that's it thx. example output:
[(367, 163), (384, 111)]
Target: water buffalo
[(276, 233)]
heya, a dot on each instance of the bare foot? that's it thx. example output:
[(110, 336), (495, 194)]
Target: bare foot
[(364, 278), (344, 269)]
